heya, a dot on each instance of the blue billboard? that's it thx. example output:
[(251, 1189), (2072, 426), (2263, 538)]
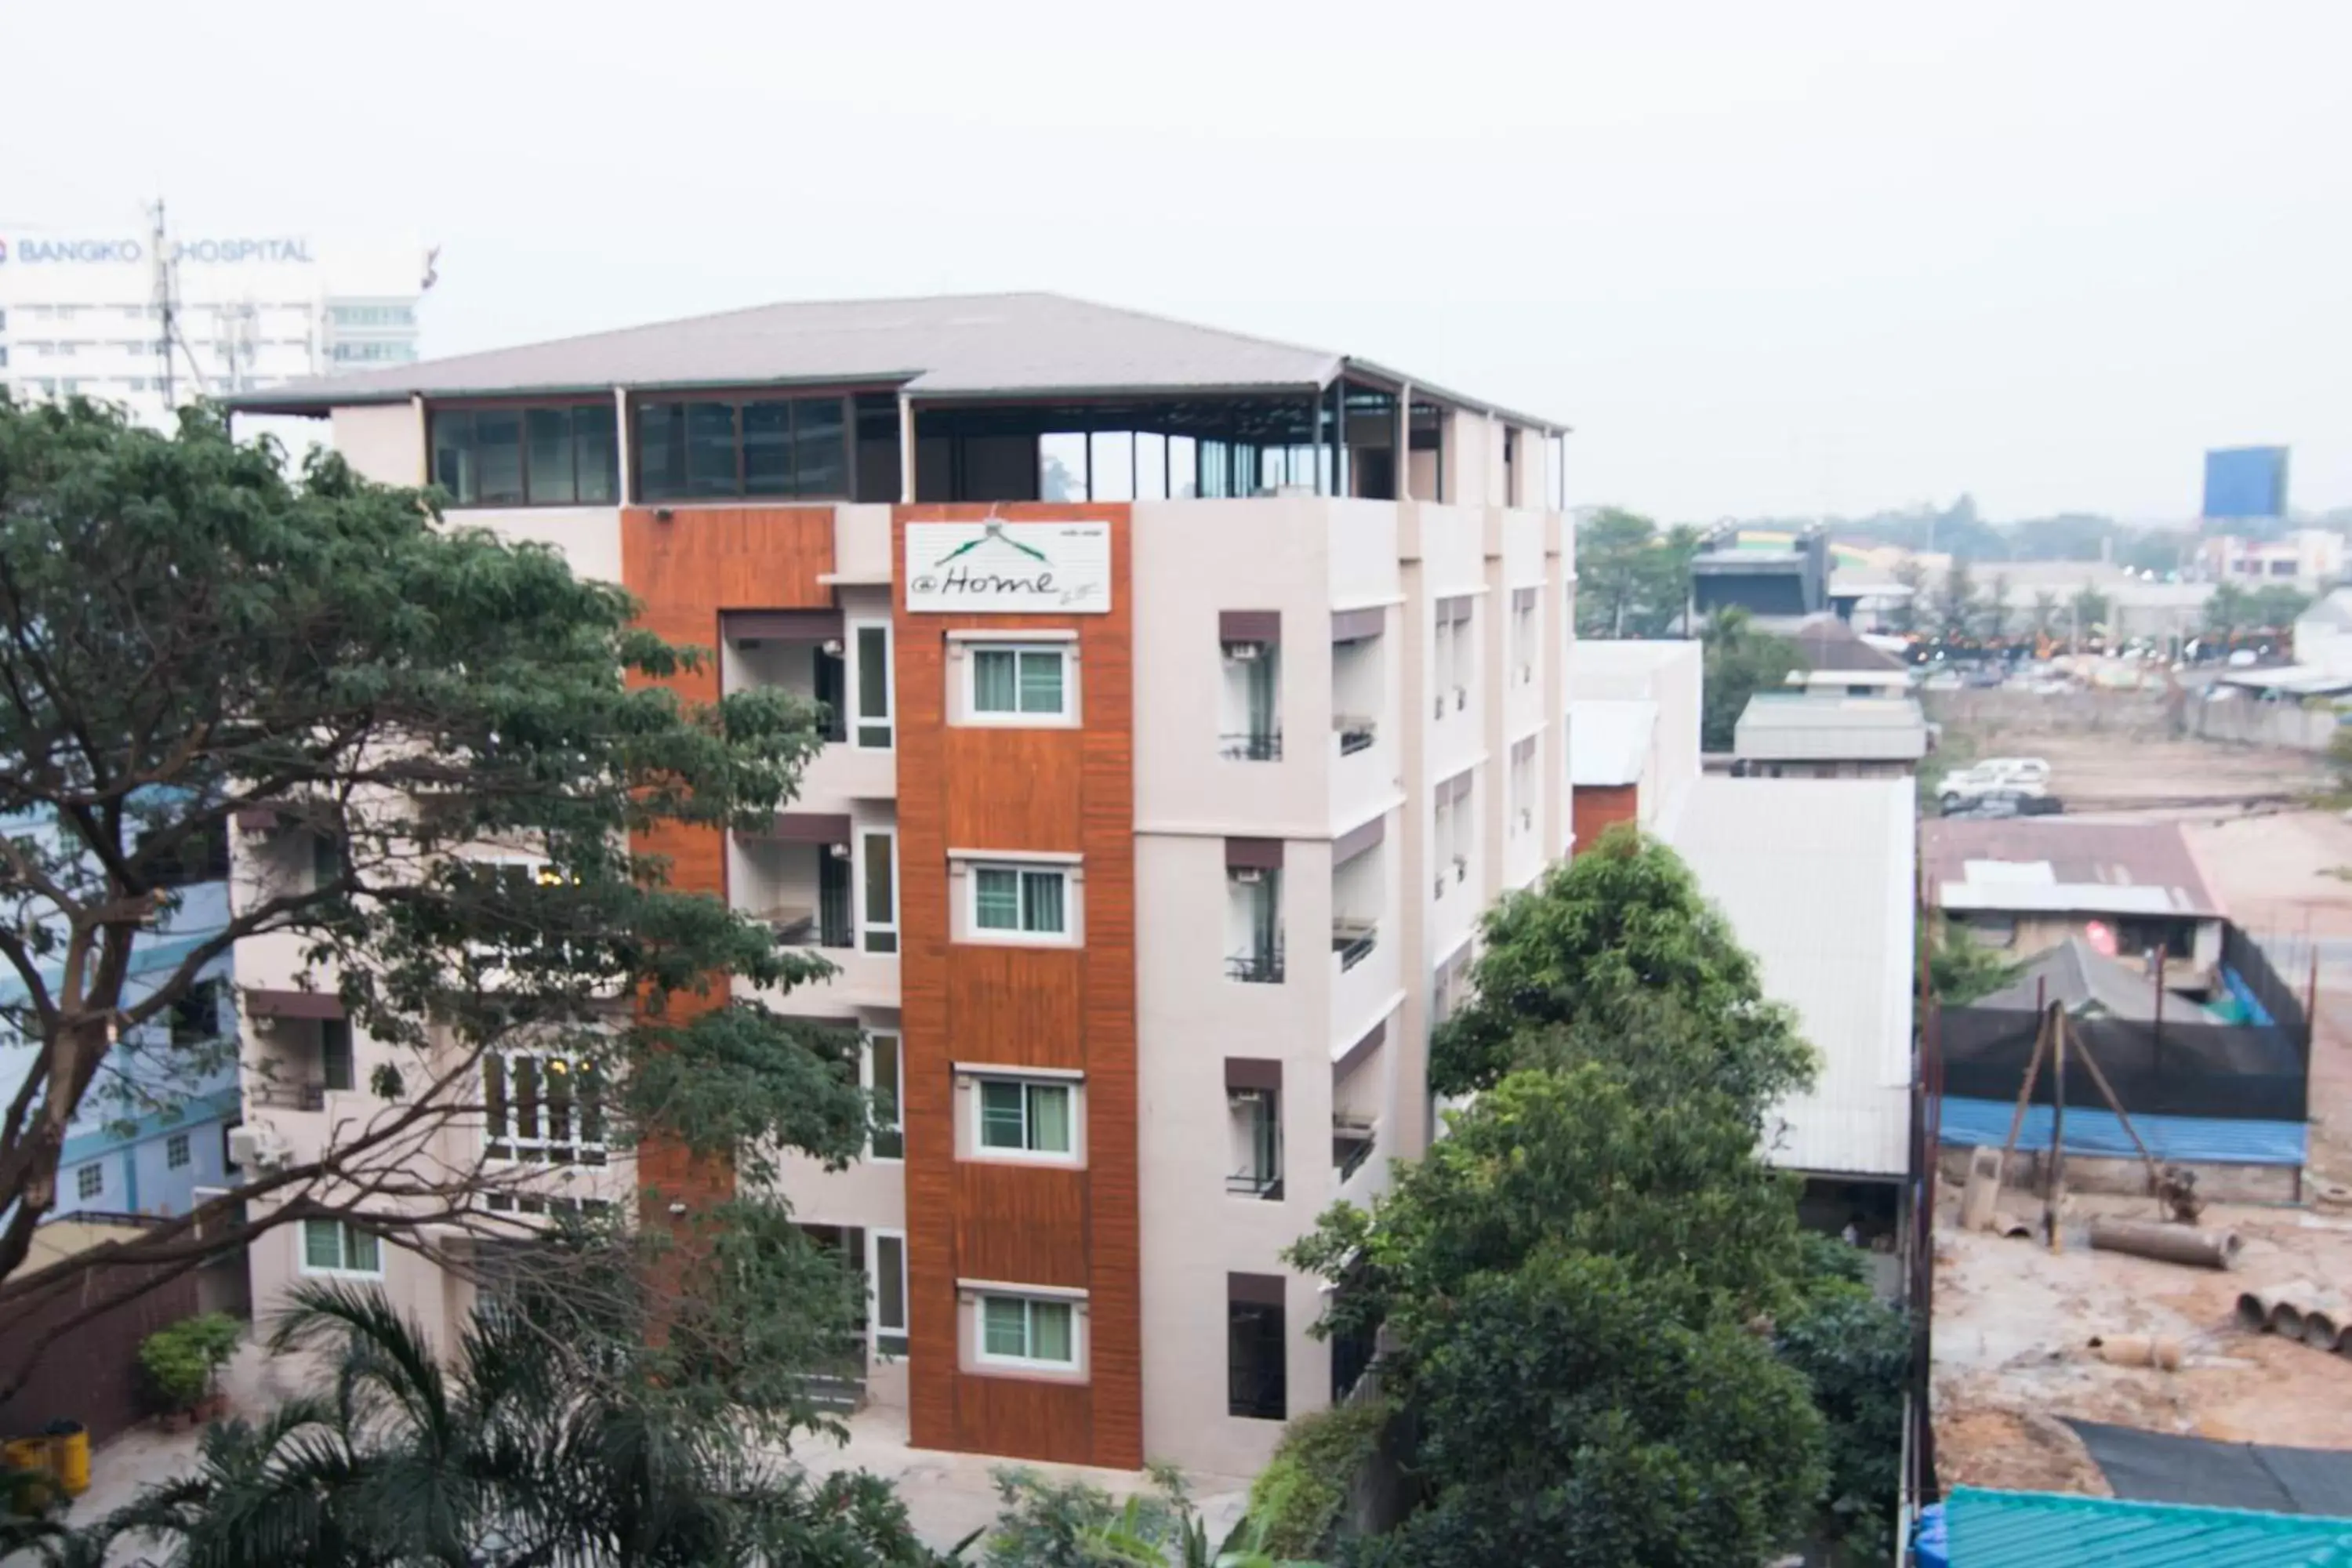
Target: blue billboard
[(2245, 482)]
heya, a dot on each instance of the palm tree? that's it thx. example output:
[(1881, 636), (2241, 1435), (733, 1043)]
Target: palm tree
[(525, 1450)]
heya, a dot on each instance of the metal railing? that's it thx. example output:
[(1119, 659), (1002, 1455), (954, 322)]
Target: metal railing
[(1359, 1149), (1353, 943), (1355, 735), (1255, 1184), (288, 1096), (1257, 746), (1259, 966)]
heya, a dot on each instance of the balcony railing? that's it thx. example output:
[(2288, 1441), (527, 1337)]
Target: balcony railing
[(1353, 1138), (827, 925), (1353, 941), (1356, 733), (1257, 746), (288, 1096), (1259, 966), (1255, 1183)]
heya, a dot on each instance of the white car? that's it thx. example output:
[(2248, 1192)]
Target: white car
[(2012, 770)]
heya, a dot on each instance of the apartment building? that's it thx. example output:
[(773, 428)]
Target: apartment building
[(1192, 694)]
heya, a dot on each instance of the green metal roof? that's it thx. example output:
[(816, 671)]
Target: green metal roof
[(2046, 1529)]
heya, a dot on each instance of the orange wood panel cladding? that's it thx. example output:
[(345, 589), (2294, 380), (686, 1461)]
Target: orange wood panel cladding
[(1060, 790), (685, 571)]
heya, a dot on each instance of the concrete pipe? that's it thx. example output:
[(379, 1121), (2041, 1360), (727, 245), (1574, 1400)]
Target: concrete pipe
[(2158, 1350), (2325, 1319), (2255, 1306), (2167, 1242)]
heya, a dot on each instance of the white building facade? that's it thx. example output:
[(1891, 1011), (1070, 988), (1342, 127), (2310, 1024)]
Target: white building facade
[(81, 312)]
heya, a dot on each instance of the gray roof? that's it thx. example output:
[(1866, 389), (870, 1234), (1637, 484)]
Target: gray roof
[(2333, 612), (1838, 952), (2086, 982), (2048, 864), (944, 346), (1809, 727)]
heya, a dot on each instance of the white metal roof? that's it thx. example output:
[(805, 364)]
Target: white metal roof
[(1810, 728), (2063, 898), (1815, 876), (1609, 741)]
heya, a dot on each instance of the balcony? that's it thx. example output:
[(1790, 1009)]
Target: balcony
[(1255, 1133), (265, 1095), (1355, 732), (1251, 747), (1353, 941), (1257, 966), (1354, 1136)]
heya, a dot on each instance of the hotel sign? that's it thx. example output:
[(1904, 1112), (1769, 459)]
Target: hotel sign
[(1009, 568)]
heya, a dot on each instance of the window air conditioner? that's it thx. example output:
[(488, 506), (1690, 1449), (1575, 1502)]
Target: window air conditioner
[(1248, 874), (258, 1148), (1245, 652)]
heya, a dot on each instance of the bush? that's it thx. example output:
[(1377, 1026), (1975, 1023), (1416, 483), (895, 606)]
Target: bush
[(1295, 1501), (181, 1361)]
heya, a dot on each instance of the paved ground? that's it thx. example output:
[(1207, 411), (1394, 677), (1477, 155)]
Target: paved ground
[(948, 1495)]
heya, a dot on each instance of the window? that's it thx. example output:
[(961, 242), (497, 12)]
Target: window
[(1018, 901), (1257, 1348), (1523, 636), (561, 455), (888, 1281), (1024, 1116), (176, 1154), (339, 1247), (873, 646), (195, 1016), (90, 1182), (1011, 685), (326, 860), (880, 851), (712, 449), (199, 854), (544, 1107), (1021, 1331), (886, 1081), (335, 1052)]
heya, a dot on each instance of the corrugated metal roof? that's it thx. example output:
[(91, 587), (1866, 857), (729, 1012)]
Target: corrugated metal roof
[(1987, 1529), (2333, 612), (2114, 857), (2060, 898), (2084, 980), (1609, 741), (1815, 876), (1829, 642), (968, 345), (1810, 728)]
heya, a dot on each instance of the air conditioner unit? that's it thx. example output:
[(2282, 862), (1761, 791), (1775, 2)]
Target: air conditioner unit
[(1248, 874), (1245, 652), (258, 1148), (838, 851), (832, 646)]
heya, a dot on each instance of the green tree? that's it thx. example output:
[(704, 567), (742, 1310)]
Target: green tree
[(1960, 968), (2276, 606), (1855, 1355), (528, 1443), (1955, 609), (2042, 616), (1905, 615), (190, 639), (2086, 615), (1632, 580), (2228, 608), (1737, 662), (1618, 943), (2155, 549), (1993, 620)]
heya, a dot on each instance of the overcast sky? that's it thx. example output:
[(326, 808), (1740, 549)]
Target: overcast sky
[(1785, 257)]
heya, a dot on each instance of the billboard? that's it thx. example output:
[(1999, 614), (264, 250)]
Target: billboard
[(2245, 482)]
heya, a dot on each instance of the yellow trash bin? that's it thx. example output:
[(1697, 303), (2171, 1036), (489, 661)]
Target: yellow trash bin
[(69, 1456), (31, 1454)]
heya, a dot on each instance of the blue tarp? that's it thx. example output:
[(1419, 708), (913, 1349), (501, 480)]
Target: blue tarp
[(2099, 1133)]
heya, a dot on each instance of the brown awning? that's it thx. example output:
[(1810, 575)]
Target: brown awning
[(1249, 625), (1348, 626), (293, 1003), (807, 827), (1361, 1048), (1263, 854), (780, 625), (1254, 1072), (1354, 842), (258, 819)]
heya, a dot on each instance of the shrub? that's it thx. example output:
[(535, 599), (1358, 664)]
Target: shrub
[(181, 1361), (1296, 1499)]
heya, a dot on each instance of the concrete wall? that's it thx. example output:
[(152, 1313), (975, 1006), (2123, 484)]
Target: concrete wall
[(383, 441)]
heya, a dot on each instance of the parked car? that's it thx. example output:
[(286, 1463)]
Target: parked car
[(2013, 769), (2005, 802)]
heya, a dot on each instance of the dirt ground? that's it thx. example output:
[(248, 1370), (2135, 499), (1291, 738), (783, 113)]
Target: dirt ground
[(2013, 1323), (2013, 1320)]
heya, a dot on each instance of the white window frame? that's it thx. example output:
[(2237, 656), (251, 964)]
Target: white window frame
[(854, 676), (971, 870), (892, 926), (89, 1181), (865, 1081), (1073, 1087), (343, 1230), (501, 1142), (985, 1357), (877, 1330), (969, 651), (179, 1153)]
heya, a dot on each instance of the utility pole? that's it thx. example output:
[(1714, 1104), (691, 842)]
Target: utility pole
[(166, 304)]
